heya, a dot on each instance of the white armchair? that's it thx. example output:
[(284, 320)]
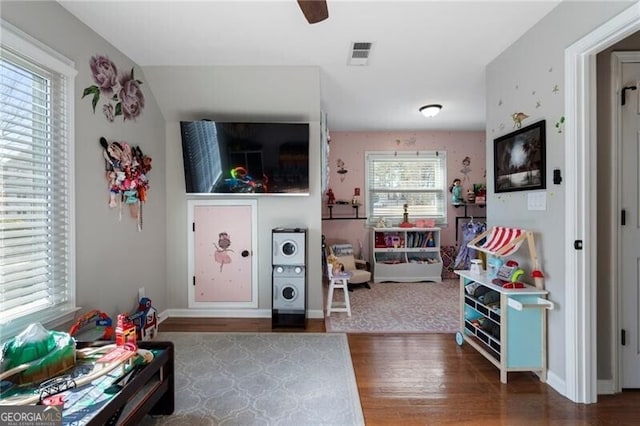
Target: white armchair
[(359, 269)]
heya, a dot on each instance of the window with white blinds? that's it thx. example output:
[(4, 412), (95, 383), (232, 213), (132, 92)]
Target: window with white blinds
[(36, 184), (417, 179)]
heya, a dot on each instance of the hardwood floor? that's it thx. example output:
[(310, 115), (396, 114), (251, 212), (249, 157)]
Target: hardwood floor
[(427, 379)]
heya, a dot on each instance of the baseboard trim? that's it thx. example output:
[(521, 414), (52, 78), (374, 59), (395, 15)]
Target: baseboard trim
[(228, 313), (606, 387), (557, 383)]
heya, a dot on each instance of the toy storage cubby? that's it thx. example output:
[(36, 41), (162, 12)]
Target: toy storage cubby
[(406, 254), (506, 325)]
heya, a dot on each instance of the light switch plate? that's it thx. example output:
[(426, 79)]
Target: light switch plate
[(537, 200)]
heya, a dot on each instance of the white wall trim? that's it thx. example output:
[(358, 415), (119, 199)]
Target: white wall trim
[(30, 46), (25, 45), (580, 163), (556, 382), (606, 387)]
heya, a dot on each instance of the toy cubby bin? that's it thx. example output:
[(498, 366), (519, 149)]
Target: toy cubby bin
[(520, 315), (407, 254), (518, 340)]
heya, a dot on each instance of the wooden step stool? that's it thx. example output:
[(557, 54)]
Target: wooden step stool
[(340, 282)]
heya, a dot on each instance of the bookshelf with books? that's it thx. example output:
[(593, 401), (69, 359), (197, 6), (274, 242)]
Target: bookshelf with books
[(406, 254)]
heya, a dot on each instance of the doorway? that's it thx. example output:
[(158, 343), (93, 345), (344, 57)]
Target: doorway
[(626, 125), (581, 161)]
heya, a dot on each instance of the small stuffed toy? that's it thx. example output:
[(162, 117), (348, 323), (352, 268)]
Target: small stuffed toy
[(336, 266)]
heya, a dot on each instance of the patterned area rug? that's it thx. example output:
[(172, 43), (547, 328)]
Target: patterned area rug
[(424, 307), (262, 379)]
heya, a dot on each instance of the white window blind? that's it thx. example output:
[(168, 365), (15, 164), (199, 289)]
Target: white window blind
[(36, 184), (417, 179)]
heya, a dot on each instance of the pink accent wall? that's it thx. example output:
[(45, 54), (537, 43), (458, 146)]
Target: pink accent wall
[(350, 148)]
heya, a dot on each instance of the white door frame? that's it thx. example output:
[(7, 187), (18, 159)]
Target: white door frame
[(581, 203), (618, 59)]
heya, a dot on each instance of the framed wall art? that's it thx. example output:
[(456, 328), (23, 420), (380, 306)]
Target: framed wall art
[(519, 160)]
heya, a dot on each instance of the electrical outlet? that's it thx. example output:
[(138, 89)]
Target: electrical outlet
[(141, 293)]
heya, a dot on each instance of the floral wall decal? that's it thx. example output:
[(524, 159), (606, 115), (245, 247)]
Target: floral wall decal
[(121, 91)]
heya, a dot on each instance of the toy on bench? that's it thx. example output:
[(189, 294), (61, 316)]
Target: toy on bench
[(94, 325), (502, 241), (508, 275), (145, 319)]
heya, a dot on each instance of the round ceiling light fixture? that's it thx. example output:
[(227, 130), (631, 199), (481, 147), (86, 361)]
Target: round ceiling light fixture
[(430, 110)]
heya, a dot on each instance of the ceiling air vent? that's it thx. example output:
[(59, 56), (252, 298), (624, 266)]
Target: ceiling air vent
[(359, 53)]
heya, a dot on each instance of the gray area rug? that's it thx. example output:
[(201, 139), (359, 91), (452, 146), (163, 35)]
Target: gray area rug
[(424, 307), (262, 379)]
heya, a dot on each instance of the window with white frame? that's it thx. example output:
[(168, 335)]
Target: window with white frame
[(36, 184), (417, 179)]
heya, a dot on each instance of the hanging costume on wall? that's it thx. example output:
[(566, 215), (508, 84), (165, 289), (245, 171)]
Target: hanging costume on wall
[(470, 230), (126, 171)]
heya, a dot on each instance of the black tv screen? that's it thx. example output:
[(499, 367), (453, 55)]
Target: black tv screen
[(241, 158)]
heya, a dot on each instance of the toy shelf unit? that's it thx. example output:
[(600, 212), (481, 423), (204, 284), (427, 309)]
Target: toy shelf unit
[(507, 326), (406, 254), (502, 241)]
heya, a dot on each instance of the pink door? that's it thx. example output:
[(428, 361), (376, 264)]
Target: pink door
[(222, 255)]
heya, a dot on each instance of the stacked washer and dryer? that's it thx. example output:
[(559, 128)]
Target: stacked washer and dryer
[(289, 262)]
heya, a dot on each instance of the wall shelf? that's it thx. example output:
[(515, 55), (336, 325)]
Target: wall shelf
[(466, 205), (344, 216)]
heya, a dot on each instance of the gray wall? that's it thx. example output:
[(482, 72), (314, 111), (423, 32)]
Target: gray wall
[(241, 93), (113, 258), (522, 79)]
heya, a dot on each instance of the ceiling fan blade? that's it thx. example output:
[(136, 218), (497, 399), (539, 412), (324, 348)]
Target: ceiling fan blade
[(314, 10)]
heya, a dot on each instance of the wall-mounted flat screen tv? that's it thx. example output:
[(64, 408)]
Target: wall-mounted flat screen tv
[(245, 158)]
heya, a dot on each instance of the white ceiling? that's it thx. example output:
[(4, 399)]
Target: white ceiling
[(424, 51)]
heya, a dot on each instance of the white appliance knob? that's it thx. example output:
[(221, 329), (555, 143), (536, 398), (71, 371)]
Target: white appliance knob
[(279, 269), (298, 269)]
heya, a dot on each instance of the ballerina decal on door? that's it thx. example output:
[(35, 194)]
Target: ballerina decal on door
[(221, 255)]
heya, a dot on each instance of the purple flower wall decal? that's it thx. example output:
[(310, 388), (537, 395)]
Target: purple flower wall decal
[(107, 110), (104, 73), (131, 96), (122, 91)]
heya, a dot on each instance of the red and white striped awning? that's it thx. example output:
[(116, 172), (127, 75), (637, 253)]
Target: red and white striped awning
[(501, 241)]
